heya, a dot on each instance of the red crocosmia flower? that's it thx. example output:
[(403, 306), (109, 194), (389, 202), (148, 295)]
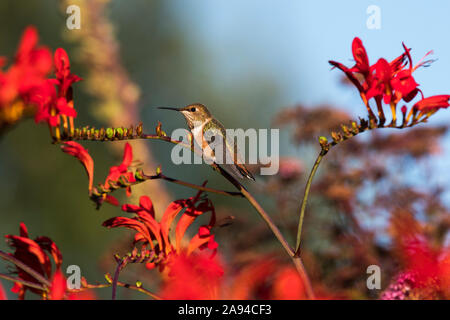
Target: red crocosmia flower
[(193, 277), (154, 236), (36, 255), (2, 293), (75, 149), (404, 85), (116, 172), (384, 81), (29, 70), (432, 103), (54, 103), (63, 76)]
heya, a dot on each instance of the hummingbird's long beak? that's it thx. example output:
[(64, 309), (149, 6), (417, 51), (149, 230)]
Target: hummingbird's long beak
[(167, 108)]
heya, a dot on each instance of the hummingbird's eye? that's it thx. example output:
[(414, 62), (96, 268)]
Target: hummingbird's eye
[(193, 109)]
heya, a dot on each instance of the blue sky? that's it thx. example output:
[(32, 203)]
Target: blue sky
[(295, 39)]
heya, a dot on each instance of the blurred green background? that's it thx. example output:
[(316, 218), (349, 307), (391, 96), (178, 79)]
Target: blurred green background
[(245, 60)]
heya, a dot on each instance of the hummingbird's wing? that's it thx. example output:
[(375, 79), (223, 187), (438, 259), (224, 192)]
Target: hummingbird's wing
[(227, 152)]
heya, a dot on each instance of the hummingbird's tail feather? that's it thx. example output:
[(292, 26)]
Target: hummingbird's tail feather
[(239, 172), (243, 171)]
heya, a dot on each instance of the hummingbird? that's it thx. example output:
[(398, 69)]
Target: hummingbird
[(202, 125)]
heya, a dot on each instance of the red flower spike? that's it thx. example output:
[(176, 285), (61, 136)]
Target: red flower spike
[(148, 230), (75, 149), (33, 254), (28, 72), (388, 82)]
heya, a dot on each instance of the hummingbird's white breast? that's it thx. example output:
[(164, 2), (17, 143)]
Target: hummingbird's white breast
[(201, 142)]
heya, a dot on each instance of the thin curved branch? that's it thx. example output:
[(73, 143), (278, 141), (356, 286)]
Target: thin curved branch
[(24, 282), (198, 187), (305, 199), (25, 268)]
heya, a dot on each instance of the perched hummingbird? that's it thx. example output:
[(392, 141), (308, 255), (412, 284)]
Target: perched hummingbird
[(203, 125)]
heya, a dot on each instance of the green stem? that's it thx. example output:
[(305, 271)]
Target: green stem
[(322, 153), (263, 214)]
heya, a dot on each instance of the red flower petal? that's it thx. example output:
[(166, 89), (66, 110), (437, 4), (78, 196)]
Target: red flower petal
[(147, 204), (2, 293), (130, 224), (62, 64), (58, 287), (127, 158), (48, 245), (23, 230), (75, 149), (27, 43), (433, 102), (348, 73), (360, 56), (112, 200), (169, 215)]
